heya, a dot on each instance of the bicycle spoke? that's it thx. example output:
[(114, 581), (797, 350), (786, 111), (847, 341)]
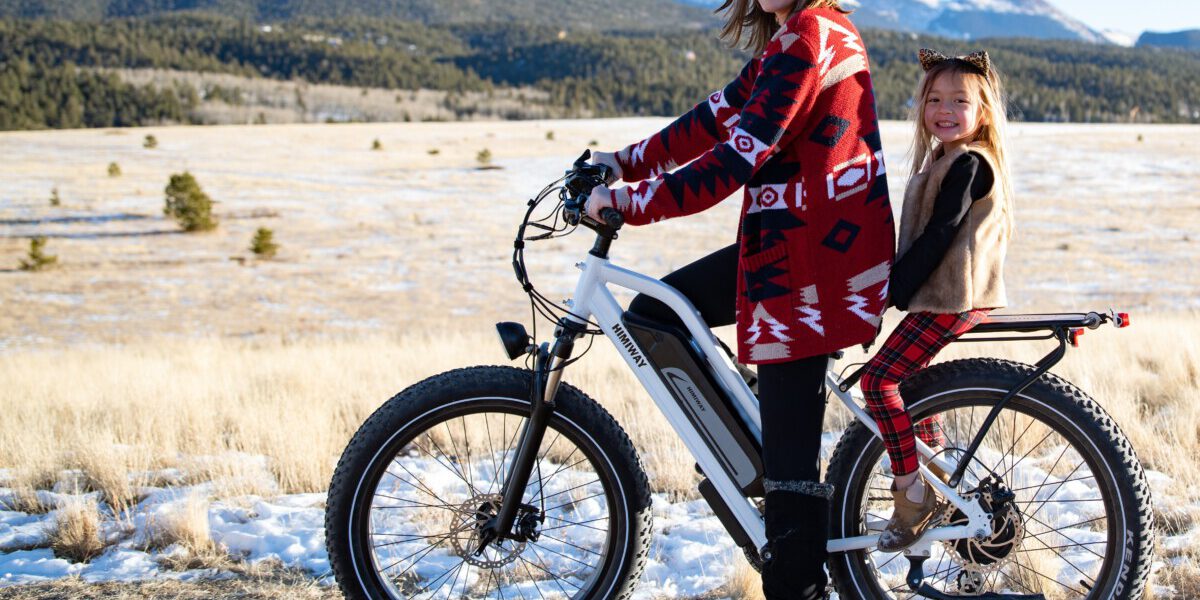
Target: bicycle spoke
[(565, 542), (557, 580), (414, 502), (455, 569), (1059, 487), (467, 445), (574, 524), (1030, 487), (1016, 440), (531, 577), (1048, 578), (417, 485), (575, 501), (457, 472), (492, 452), (1059, 532)]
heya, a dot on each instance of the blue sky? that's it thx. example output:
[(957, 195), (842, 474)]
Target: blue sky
[(1134, 16)]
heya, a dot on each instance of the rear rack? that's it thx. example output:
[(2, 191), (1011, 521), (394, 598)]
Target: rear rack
[(1047, 326)]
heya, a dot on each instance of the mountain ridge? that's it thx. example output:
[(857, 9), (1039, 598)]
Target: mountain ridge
[(965, 19)]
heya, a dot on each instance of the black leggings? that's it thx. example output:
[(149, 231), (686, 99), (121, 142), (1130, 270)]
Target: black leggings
[(791, 394)]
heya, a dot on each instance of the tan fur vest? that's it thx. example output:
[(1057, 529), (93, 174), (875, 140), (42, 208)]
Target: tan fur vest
[(971, 275)]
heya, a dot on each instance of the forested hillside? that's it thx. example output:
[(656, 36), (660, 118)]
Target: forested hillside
[(48, 76), (579, 14)]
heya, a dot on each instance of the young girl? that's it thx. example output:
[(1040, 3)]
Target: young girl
[(954, 231), (815, 238)]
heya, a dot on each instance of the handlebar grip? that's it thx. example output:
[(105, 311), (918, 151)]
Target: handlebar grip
[(611, 217)]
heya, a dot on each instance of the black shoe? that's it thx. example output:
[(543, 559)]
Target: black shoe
[(794, 559)]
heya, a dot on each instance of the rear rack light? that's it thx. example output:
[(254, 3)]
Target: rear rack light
[(1074, 335), (1123, 320)]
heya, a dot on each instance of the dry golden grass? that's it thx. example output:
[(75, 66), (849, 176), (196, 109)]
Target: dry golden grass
[(209, 406), (185, 523), (76, 532), (265, 582), (745, 583)]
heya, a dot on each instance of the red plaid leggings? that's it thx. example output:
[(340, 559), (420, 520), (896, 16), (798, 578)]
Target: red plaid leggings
[(909, 348)]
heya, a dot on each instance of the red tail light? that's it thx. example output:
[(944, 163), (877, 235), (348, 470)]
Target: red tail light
[(1122, 320), (1074, 335)]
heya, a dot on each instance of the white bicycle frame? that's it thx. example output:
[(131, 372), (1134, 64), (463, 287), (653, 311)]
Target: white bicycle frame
[(593, 298)]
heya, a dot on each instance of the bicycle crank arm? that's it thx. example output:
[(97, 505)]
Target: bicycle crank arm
[(926, 591)]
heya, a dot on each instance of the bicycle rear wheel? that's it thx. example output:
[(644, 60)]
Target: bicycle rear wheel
[(1079, 525), (427, 470)]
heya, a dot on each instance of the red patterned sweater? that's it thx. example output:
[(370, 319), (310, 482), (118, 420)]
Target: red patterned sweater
[(798, 129)]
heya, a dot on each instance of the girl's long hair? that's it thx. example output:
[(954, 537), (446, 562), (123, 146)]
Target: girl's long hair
[(746, 19), (993, 105)]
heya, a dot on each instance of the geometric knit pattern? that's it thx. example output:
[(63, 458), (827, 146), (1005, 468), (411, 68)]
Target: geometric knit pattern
[(797, 131), (909, 348)]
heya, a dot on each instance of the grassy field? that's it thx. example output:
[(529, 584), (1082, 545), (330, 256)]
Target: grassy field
[(152, 357)]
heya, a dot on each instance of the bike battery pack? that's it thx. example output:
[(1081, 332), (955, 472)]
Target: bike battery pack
[(678, 362)]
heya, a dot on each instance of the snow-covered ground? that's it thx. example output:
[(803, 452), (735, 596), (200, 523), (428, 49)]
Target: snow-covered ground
[(691, 554)]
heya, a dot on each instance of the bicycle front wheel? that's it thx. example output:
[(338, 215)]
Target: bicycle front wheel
[(1071, 505), (426, 471)]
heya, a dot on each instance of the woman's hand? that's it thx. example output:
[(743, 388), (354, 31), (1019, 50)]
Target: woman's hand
[(599, 199), (608, 159)]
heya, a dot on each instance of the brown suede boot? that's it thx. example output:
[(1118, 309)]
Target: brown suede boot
[(909, 520)]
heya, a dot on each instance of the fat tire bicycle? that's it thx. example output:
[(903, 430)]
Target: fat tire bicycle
[(503, 482)]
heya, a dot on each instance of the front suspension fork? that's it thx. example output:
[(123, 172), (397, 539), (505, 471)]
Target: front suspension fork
[(547, 375)]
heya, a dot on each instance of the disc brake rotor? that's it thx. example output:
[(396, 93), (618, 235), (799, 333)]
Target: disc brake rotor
[(986, 556), (467, 521)]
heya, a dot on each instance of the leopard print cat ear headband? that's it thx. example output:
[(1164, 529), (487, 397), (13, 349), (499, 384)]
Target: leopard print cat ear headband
[(979, 60)]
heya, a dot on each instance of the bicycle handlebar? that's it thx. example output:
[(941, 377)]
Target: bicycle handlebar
[(580, 181)]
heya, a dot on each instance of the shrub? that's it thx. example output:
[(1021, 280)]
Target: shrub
[(484, 158), (377, 145), (263, 243), (114, 170), (38, 260), (550, 136), (188, 204), (55, 200), (594, 143), (76, 532), (150, 142), (434, 152)]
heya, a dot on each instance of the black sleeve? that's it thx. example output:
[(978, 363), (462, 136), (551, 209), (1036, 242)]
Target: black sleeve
[(968, 179)]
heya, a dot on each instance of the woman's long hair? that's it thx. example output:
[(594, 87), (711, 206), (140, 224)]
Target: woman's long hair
[(746, 19), (993, 106)]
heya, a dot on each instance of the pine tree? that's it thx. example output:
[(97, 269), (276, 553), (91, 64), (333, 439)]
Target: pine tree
[(263, 244), (38, 260), (188, 204)]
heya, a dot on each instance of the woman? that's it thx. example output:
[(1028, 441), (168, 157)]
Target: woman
[(808, 274)]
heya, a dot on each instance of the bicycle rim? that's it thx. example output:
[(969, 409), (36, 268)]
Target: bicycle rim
[(441, 477)]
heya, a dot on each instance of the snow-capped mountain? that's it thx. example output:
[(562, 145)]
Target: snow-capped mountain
[(965, 19)]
